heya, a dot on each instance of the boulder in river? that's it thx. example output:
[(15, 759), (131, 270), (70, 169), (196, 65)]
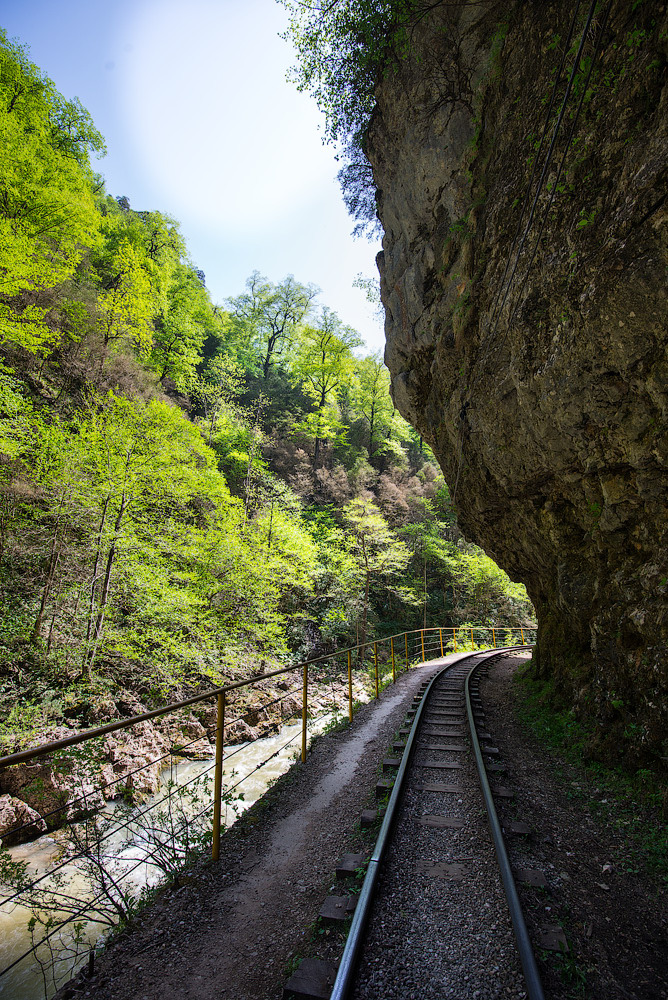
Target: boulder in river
[(16, 815)]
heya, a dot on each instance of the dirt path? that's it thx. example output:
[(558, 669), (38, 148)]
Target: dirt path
[(232, 929)]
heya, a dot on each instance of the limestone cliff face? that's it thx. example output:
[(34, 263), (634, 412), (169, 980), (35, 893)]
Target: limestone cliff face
[(546, 404)]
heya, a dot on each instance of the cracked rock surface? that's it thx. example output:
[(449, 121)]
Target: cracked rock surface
[(542, 386)]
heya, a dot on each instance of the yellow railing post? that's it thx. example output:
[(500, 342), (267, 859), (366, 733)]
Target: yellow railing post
[(406, 638), (375, 660), (304, 711), (350, 687), (440, 632), (493, 639), (454, 638), (394, 672), (422, 637), (522, 634), (218, 775), (472, 639)]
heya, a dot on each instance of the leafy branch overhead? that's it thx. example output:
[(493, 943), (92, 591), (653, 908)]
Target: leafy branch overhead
[(344, 48)]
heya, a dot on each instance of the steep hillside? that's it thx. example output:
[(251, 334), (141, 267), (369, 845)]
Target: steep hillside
[(187, 490), (519, 155)]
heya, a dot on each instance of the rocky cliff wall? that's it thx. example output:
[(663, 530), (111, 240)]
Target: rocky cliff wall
[(544, 397)]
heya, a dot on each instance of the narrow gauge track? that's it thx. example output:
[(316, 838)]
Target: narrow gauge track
[(441, 922)]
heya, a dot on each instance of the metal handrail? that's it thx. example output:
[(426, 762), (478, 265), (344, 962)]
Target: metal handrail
[(89, 734), (423, 643)]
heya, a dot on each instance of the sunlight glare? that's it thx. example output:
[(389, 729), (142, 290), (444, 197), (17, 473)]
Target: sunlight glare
[(223, 136)]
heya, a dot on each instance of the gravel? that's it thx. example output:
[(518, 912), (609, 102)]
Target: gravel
[(234, 929), (432, 935)]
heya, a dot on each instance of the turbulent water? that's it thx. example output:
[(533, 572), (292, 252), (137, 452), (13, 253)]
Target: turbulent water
[(127, 855)]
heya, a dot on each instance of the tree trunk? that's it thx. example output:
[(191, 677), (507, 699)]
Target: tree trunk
[(104, 596), (93, 585), (36, 634), (371, 423), (54, 557), (425, 595), (365, 609), (271, 521)]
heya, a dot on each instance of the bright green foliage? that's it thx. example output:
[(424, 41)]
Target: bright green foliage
[(379, 553), (267, 318), (322, 365), (282, 509), (181, 328), (125, 306), (371, 397), (343, 49), (47, 208), (217, 388)]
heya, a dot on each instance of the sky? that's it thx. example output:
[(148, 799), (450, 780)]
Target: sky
[(200, 122)]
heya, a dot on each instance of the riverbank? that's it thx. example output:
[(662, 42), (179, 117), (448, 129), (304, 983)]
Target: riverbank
[(49, 792)]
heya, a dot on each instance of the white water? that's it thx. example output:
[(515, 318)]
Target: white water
[(126, 856)]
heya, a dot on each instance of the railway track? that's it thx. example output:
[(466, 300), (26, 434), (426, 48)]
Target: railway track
[(443, 893)]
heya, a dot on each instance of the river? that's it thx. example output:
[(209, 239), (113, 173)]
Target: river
[(126, 854)]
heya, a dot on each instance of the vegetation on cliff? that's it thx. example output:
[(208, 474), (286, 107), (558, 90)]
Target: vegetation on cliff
[(187, 489)]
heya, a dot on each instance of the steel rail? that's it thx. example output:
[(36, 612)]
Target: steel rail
[(346, 970), (527, 958)]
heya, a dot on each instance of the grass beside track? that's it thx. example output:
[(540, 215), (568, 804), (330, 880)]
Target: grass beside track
[(635, 803)]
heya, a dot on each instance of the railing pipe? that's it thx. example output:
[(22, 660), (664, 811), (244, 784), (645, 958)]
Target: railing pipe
[(394, 672), (304, 710), (422, 638), (440, 633), (218, 775), (375, 660), (48, 748), (350, 687)]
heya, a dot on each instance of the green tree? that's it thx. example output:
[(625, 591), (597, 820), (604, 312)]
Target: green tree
[(146, 298), (47, 209), (323, 363), (343, 48), (370, 396), (139, 458), (181, 327), (269, 316), (380, 554)]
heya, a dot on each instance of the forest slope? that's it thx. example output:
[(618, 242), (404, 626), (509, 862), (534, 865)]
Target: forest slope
[(187, 490)]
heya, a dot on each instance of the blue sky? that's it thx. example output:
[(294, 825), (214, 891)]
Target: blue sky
[(200, 123)]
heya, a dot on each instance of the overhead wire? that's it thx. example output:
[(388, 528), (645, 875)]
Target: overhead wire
[(548, 116), (550, 152)]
